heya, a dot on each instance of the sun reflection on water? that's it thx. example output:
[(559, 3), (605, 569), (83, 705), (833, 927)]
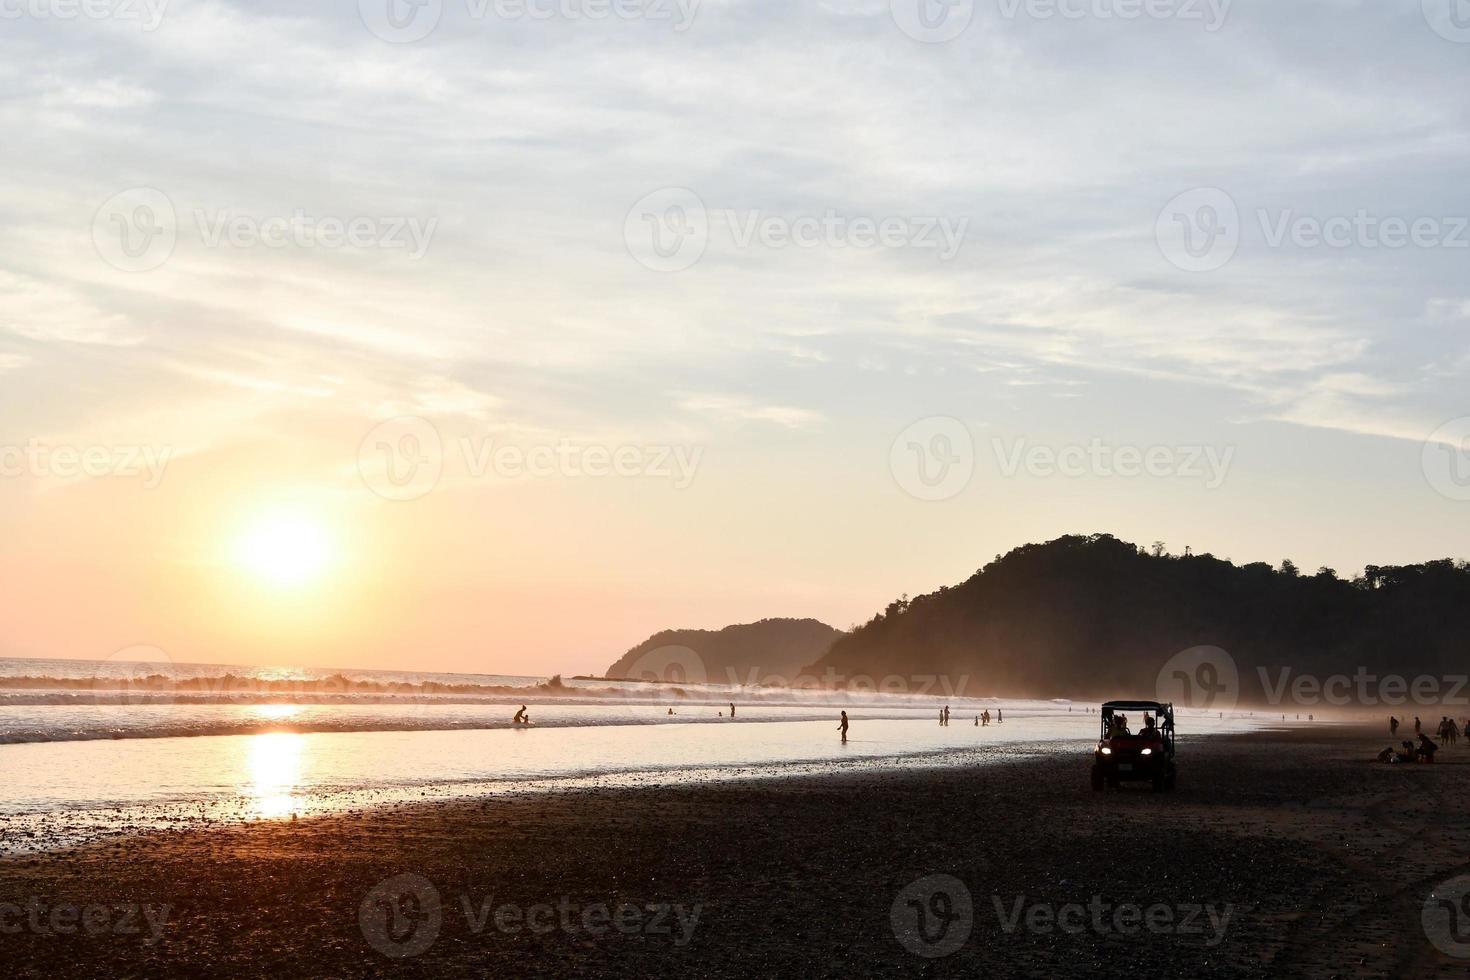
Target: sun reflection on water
[(275, 772), (277, 712)]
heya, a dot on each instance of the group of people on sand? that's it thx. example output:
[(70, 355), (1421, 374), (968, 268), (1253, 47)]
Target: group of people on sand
[(1448, 732), (1409, 752)]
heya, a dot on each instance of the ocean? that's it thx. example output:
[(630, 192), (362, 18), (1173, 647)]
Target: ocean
[(89, 748)]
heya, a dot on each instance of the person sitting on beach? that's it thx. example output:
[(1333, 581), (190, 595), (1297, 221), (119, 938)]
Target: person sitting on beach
[(1426, 748), (1386, 755), (520, 718), (1407, 755)]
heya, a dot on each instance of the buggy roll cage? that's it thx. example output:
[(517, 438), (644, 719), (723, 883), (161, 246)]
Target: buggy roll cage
[(1163, 713)]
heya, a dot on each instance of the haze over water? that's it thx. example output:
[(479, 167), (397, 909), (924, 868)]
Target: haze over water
[(88, 769)]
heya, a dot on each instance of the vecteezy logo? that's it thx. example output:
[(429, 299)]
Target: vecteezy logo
[(1450, 19), (932, 917), (400, 916), (854, 8), (402, 458), (401, 21), (933, 459), (933, 21), (1199, 231), (136, 230), (668, 230), (139, 674), (1200, 677), (668, 665), (1446, 459), (1446, 917)]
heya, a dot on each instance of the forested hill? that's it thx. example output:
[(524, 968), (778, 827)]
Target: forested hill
[(1095, 617), (771, 647)]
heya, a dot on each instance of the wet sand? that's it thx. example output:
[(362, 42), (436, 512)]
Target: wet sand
[(1318, 861)]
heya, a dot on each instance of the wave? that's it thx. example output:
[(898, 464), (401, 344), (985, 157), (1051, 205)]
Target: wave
[(237, 684)]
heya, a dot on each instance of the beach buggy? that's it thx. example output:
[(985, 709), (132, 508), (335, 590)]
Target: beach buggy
[(1137, 745)]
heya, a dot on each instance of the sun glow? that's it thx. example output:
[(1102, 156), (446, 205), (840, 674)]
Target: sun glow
[(288, 550), (275, 772)]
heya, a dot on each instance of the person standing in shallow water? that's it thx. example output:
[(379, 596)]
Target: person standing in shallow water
[(842, 727), (732, 709)]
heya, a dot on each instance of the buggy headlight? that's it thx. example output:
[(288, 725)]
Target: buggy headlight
[(1106, 750), (1147, 752)]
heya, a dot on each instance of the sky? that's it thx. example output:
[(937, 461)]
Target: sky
[(496, 335)]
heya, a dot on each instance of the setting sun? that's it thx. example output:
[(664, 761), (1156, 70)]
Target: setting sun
[(284, 549)]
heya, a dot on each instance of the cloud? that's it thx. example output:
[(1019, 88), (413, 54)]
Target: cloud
[(729, 408), (528, 141)]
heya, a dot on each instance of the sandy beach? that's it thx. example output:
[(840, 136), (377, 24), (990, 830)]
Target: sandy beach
[(1281, 854)]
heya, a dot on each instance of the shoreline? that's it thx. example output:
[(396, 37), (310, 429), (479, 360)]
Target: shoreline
[(1324, 859)]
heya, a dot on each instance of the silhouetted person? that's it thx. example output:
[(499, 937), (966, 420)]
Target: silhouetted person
[(520, 718), (977, 721), (1000, 716), (946, 716), (732, 709), (1426, 748), (1418, 726), (843, 727), (1393, 725)]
